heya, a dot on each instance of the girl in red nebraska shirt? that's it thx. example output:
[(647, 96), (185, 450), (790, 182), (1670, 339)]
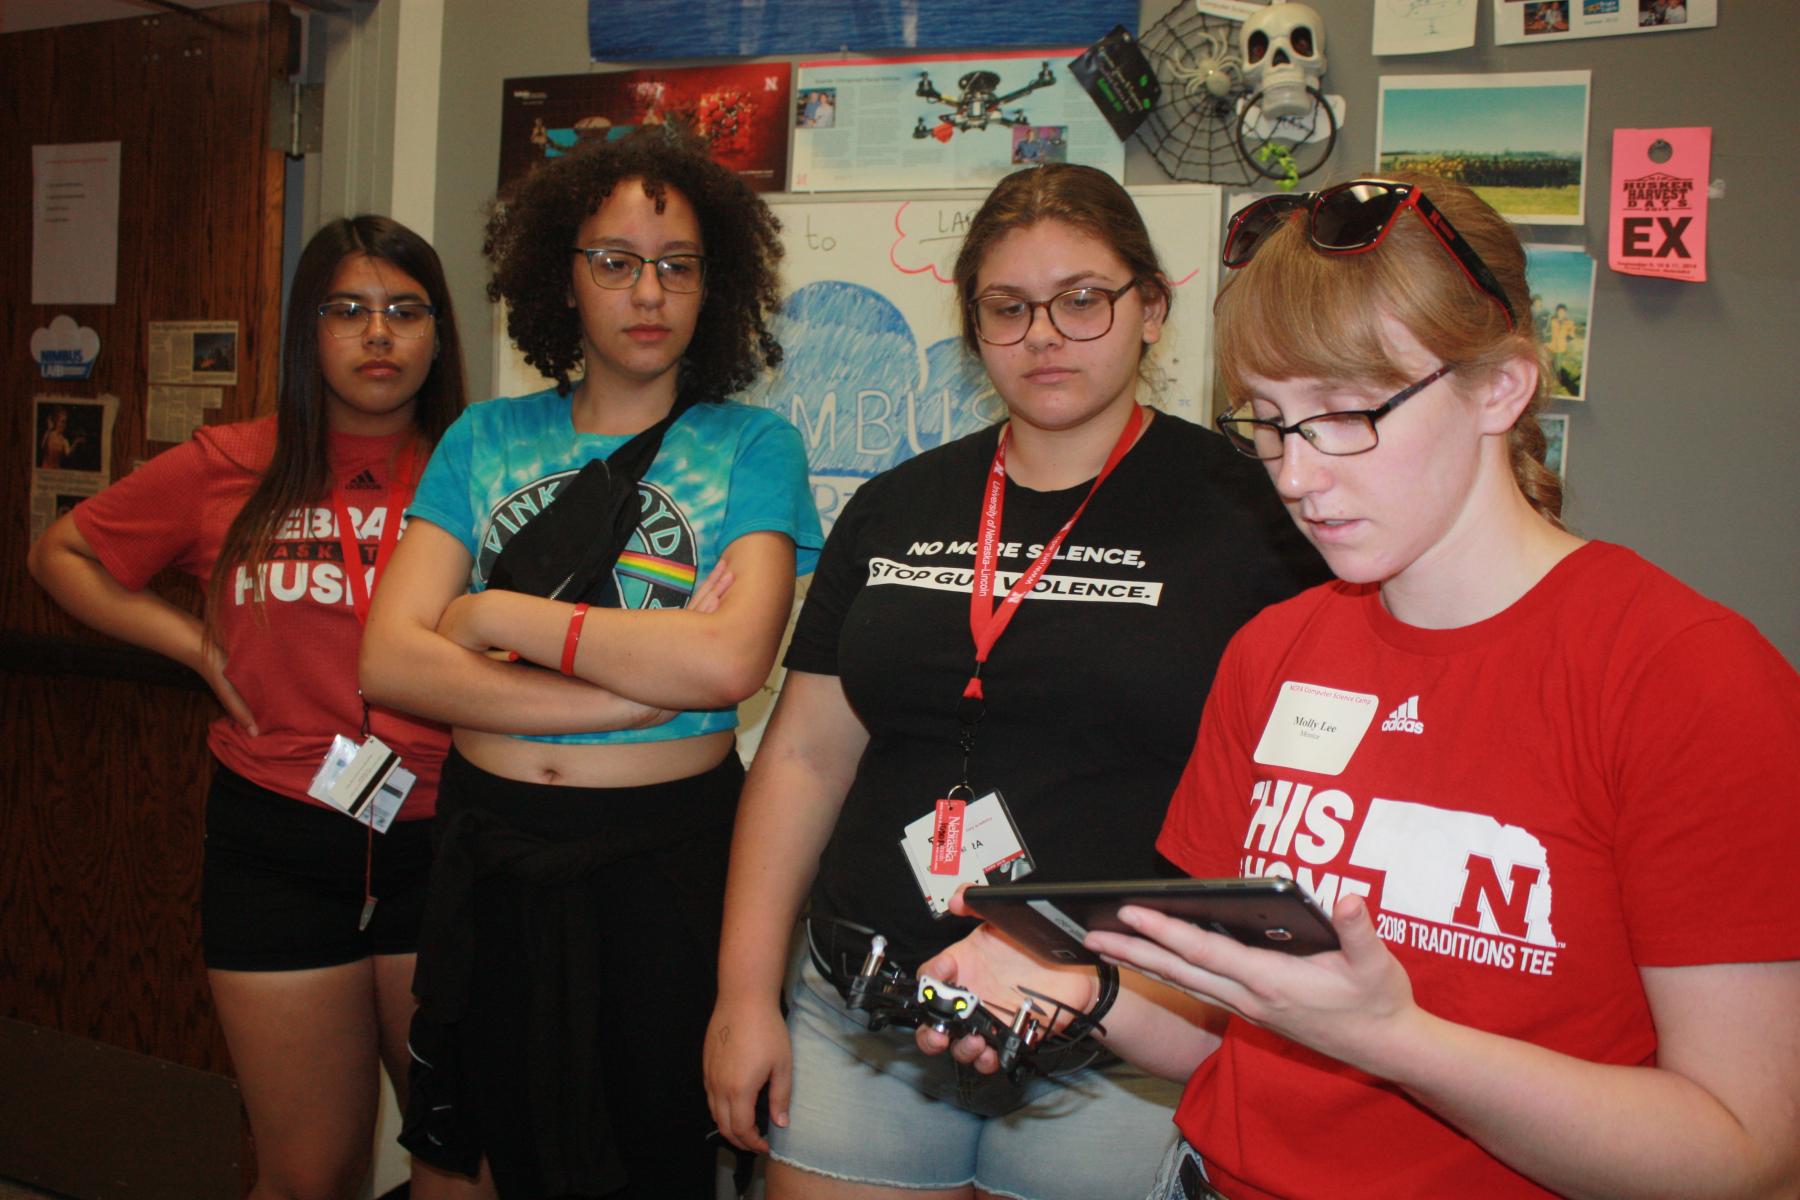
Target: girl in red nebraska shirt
[(1546, 793), (309, 918)]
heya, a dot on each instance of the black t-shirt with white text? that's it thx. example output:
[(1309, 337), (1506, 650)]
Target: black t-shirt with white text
[(1093, 692)]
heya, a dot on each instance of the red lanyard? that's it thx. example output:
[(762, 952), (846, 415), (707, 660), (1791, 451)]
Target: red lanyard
[(986, 620), (400, 488)]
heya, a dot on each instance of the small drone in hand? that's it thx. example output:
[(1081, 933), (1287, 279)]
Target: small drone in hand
[(978, 106), (892, 997)]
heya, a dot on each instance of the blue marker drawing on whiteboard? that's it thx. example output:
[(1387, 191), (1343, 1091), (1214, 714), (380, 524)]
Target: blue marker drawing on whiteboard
[(853, 381)]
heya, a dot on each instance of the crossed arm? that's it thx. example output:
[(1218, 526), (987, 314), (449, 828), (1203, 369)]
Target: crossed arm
[(425, 647)]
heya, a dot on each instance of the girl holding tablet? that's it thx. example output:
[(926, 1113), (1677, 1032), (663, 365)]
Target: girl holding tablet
[(1543, 786)]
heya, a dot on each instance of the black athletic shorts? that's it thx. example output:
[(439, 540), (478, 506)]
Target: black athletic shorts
[(282, 888)]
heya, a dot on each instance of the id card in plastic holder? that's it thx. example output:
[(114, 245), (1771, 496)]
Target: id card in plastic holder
[(363, 781), (991, 845)]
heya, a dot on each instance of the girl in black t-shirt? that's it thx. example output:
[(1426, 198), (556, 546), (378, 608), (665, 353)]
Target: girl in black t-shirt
[(1091, 701)]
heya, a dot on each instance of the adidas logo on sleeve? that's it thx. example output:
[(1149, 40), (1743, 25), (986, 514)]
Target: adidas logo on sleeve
[(1404, 719)]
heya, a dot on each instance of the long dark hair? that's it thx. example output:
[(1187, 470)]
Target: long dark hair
[(299, 471), (530, 234)]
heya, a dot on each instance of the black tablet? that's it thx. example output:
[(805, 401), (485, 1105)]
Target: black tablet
[(1052, 918)]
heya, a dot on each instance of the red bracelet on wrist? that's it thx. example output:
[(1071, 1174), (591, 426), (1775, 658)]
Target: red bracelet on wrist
[(573, 639)]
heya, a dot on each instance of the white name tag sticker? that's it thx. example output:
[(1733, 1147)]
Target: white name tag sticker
[(1315, 728)]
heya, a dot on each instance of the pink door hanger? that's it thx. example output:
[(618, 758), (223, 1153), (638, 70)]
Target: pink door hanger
[(1656, 219)]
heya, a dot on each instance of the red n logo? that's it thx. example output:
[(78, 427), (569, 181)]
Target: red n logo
[(1481, 883)]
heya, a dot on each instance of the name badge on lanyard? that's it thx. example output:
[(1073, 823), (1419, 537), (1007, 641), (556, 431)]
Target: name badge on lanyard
[(981, 841), (364, 781), (964, 838), (363, 778)]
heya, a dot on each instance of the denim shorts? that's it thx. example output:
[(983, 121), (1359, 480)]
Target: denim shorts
[(869, 1108)]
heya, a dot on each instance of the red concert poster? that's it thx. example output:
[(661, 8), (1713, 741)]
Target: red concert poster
[(741, 111)]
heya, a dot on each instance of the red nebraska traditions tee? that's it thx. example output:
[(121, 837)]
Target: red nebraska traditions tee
[(292, 657), (1595, 780)]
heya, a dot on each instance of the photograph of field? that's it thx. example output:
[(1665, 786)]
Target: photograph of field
[(1519, 140)]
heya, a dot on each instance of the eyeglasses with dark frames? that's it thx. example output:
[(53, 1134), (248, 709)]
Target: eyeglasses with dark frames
[(616, 270), (347, 318), (1335, 433), (1080, 314), (1353, 218)]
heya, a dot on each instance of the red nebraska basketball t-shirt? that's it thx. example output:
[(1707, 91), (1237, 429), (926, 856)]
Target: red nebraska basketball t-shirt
[(292, 656)]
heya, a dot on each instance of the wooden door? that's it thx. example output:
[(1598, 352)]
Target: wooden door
[(105, 763)]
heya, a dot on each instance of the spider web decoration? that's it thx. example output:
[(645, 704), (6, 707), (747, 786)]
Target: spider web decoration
[(1193, 132), (1209, 128)]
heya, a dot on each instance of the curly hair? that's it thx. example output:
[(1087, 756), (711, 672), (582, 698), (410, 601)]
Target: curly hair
[(530, 235)]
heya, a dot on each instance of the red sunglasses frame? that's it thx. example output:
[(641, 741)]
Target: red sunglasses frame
[(1272, 209)]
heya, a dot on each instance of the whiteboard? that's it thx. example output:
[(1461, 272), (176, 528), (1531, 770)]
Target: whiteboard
[(875, 370)]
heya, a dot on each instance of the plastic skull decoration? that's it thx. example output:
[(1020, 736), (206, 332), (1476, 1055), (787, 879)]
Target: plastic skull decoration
[(1283, 49)]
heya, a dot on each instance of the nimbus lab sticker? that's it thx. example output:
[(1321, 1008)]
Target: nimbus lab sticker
[(65, 349)]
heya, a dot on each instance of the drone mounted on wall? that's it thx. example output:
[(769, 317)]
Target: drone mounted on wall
[(1241, 102), (978, 106)]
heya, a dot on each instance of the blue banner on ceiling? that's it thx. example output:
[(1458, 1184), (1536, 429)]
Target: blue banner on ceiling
[(620, 32)]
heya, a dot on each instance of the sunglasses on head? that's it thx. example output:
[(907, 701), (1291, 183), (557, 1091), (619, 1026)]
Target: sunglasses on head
[(1352, 218)]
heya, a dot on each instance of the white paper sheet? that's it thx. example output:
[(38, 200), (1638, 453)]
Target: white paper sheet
[(75, 223)]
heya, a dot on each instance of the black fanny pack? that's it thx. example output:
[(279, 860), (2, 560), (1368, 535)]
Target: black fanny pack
[(568, 550)]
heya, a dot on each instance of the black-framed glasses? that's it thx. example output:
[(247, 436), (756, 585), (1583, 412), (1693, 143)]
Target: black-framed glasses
[(617, 270), (1336, 433), (1352, 218), (1079, 314), (347, 318)]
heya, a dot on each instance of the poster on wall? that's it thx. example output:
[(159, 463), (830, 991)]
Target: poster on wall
[(740, 109), (71, 454), (172, 411), (1530, 21), (1656, 218), (1556, 442), (874, 368), (1519, 140), (75, 223), (743, 28), (1561, 279), (194, 352), (1423, 26), (957, 122)]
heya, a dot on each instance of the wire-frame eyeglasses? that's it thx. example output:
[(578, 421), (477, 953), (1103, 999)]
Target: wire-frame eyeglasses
[(347, 318), (616, 270), (1337, 433)]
